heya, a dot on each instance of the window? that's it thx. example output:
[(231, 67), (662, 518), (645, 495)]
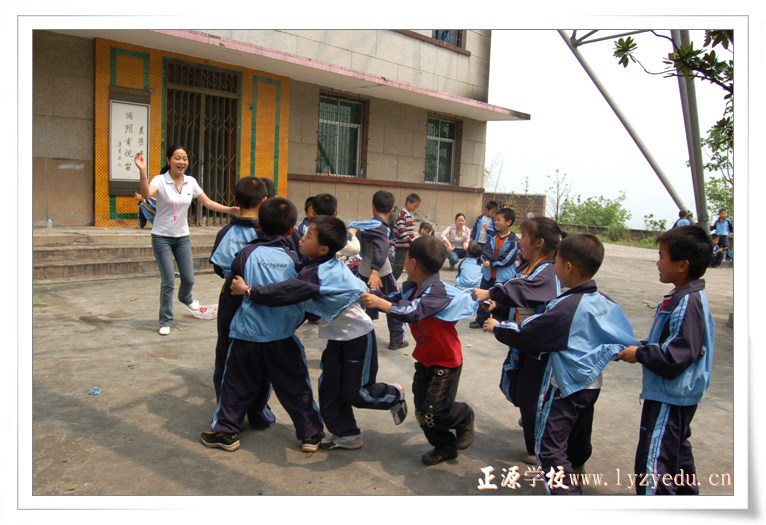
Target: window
[(455, 37), (440, 151), (340, 136)]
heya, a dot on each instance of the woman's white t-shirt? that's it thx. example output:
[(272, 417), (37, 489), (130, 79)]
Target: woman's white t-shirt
[(172, 205)]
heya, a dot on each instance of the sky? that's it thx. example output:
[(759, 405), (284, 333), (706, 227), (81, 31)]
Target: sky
[(573, 129)]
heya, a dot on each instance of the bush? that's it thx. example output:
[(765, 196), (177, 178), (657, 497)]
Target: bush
[(616, 232), (595, 211)]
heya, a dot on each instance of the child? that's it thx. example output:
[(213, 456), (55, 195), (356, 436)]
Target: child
[(526, 294), (425, 228), (350, 359), (469, 269), (677, 360), (723, 228), (375, 267), (582, 330), (263, 346), (249, 194), (483, 227), (147, 208), (327, 204), (300, 229), (498, 257), (718, 252), (437, 353), (404, 233)]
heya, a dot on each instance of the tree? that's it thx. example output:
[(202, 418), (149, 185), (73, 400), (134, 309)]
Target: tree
[(704, 64), (595, 211), (559, 193)]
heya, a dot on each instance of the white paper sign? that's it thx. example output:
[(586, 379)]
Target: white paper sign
[(128, 134)]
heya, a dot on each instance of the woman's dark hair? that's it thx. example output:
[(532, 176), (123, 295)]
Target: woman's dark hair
[(460, 215), (546, 229), (169, 153)]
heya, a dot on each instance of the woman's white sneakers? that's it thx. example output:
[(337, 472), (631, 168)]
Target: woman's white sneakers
[(164, 330), (193, 306)]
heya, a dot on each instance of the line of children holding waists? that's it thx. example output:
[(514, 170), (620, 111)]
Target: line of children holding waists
[(559, 343)]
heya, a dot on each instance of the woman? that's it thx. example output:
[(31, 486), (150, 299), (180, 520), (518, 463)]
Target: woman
[(174, 191), (456, 238)]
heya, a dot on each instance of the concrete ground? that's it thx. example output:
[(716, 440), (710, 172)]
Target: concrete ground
[(140, 435)]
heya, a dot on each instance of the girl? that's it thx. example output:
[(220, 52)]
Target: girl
[(469, 269), (518, 298), (174, 191)]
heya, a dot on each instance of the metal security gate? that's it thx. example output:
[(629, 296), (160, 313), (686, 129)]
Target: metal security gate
[(201, 115)]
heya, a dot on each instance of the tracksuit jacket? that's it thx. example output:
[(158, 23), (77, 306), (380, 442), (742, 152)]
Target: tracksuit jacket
[(504, 262), (230, 240), (678, 354), (264, 261), (373, 236), (582, 329)]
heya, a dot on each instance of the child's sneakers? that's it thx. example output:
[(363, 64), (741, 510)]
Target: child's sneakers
[(228, 442), (311, 444), (347, 442), (399, 410)]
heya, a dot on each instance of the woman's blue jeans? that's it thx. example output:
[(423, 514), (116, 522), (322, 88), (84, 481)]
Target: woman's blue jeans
[(455, 255), (165, 250)]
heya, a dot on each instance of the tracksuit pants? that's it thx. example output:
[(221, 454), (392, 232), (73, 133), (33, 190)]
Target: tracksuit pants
[(395, 327), (249, 369), (348, 380), (664, 448)]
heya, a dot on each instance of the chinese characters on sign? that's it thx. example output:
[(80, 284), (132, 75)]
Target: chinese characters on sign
[(510, 478), (128, 134)]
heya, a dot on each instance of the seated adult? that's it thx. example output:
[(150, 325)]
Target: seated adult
[(456, 238)]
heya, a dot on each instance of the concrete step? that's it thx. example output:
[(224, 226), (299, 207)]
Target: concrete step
[(93, 253), (90, 270)]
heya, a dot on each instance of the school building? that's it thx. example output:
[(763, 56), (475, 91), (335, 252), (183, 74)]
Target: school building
[(342, 111)]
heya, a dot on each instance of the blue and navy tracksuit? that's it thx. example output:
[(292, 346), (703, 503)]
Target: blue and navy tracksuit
[(522, 373), (677, 359), (350, 359), (264, 348), (432, 315), (501, 266), (582, 330), (373, 235), (146, 211), (723, 228), (468, 273), (229, 241), (476, 229)]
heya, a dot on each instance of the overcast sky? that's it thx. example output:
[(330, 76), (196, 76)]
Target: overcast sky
[(573, 129)]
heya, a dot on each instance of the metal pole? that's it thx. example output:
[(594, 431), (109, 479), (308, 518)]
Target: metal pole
[(653, 163), (691, 122)]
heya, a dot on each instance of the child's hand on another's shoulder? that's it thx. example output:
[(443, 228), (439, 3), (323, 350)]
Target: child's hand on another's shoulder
[(238, 286), (489, 324), (628, 355)]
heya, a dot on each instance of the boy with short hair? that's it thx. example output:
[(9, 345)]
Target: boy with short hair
[(423, 303), (375, 267), (723, 228), (350, 359), (498, 258), (263, 346), (404, 233), (677, 360), (582, 330), (483, 226), (249, 194)]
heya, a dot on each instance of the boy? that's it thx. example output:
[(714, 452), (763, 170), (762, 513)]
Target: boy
[(350, 359), (677, 360), (404, 233), (483, 226), (723, 228), (263, 346), (498, 258), (683, 219), (249, 194), (375, 267), (718, 252), (438, 354), (582, 330)]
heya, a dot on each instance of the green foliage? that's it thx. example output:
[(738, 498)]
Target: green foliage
[(720, 195), (655, 225), (595, 211), (616, 232)]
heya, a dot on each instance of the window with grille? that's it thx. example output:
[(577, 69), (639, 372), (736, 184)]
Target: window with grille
[(440, 151), (340, 136), (455, 37)]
